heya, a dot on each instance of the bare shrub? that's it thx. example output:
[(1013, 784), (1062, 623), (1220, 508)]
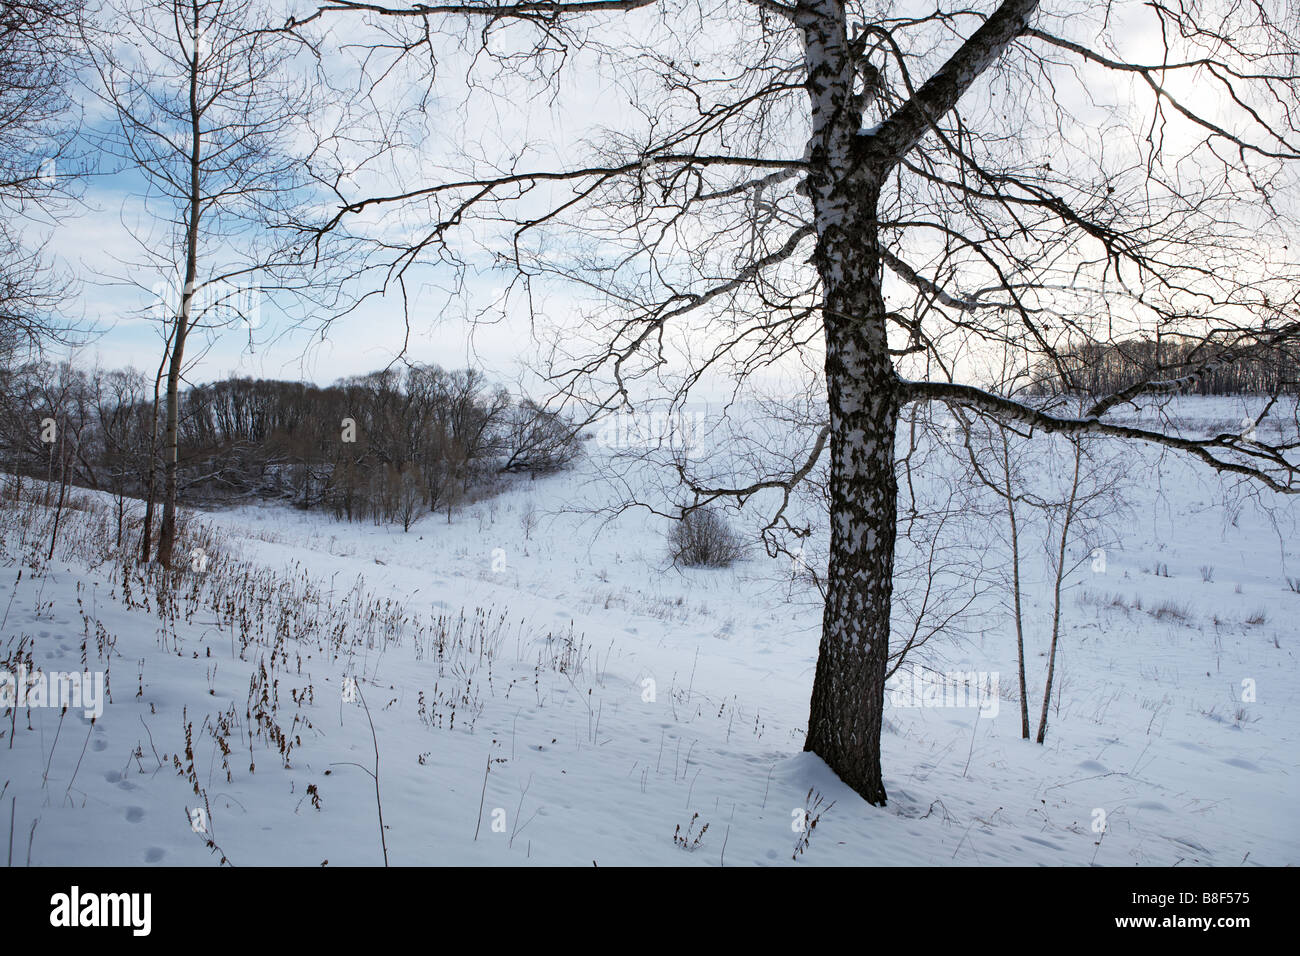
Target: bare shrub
[(528, 518), (1171, 611), (703, 539)]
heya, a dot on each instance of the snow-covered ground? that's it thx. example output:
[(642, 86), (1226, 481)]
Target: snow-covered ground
[(545, 688)]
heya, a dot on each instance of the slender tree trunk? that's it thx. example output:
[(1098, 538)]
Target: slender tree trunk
[(167, 533), (146, 534), (63, 491), (1056, 602), (1015, 586), (49, 471)]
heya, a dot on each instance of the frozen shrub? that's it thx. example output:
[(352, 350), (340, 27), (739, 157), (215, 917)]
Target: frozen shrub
[(703, 539)]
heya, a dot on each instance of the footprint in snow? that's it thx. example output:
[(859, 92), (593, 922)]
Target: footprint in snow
[(1243, 763), (1041, 842), (154, 854), (134, 814)]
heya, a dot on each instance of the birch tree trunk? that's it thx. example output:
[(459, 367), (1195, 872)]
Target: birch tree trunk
[(847, 167), (167, 531), (848, 693)]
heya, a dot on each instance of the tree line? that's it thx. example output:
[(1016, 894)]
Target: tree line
[(386, 447), (1104, 368)]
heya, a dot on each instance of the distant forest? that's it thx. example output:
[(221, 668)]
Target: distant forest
[(1104, 368), (384, 447)]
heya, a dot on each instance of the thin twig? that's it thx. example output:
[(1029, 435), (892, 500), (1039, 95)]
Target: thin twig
[(378, 802)]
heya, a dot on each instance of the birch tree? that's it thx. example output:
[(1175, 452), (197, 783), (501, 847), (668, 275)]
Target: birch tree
[(875, 194)]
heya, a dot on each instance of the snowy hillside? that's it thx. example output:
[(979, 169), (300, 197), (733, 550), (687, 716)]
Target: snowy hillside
[(537, 685)]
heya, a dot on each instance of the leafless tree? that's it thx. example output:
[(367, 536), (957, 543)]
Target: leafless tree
[(1071, 489), (213, 113), (127, 452), (39, 166), (880, 196), (536, 439)]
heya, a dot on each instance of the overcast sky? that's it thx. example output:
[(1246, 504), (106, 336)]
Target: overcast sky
[(95, 237)]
